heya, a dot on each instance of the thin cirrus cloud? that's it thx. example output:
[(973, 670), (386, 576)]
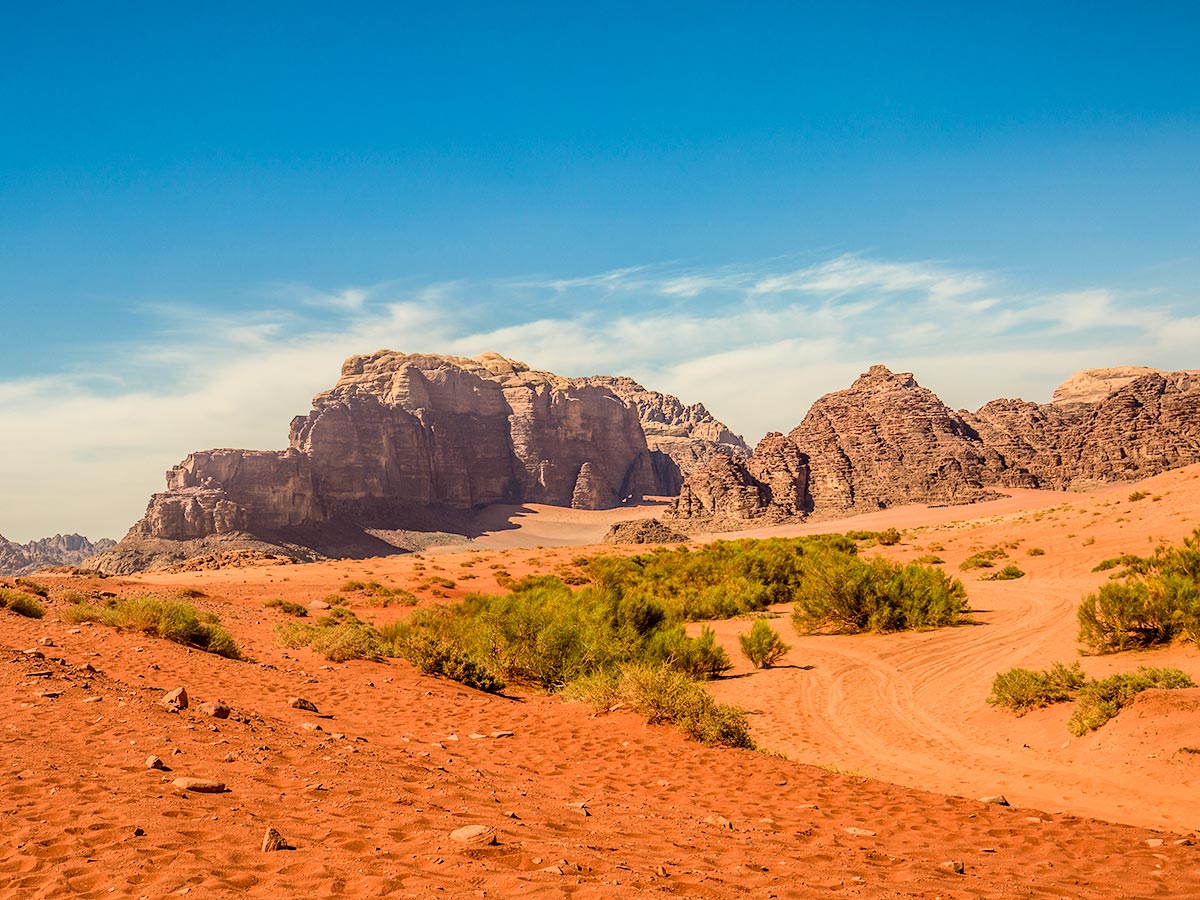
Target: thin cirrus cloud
[(757, 344)]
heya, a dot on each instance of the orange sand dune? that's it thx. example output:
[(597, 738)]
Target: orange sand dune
[(400, 760)]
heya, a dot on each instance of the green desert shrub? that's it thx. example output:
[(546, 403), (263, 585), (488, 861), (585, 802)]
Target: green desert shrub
[(33, 587), (1035, 551), (1154, 600), (1102, 699), (171, 620), (844, 595), (697, 657), (1022, 690), (762, 645), (338, 636), (380, 594), (665, 695), (1008, 573), (439, 654), (21, 603), (291, 608), (984, 559)]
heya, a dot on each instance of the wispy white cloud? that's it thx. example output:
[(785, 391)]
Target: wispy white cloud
[(756, 343)]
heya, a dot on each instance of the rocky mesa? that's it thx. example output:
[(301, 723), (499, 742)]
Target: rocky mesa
[(405, 441), (887, 441)]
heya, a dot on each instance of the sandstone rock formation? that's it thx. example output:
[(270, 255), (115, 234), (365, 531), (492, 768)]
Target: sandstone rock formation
[(886, 440), (60, 550), (1093, 385), (643, 531), (403, 441), (682, 439), (770, 486)]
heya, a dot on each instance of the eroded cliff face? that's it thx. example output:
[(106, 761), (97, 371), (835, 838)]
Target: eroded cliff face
[(397, 436), (728, 492), (682, 438), (886, 441)]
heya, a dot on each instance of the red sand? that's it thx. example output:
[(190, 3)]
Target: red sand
[(372, 817)]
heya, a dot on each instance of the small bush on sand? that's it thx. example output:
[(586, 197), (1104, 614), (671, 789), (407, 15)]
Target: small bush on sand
[(338, 636), (33, 587), (1008, 573), (666, 696), (1035, 551), (762, 645), (292, 609), (1100, 700), (984, 559), (440, 654), (843, 594), (697, 657), (167, 619), (1154, 600), (380, 595), (21, 603), (1022, 690)]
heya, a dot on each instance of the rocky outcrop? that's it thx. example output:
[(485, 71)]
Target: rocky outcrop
[(1147, 424), (60, 550), (682, 438), (1093, 385), (770, 486), (643, 531), (886, 440), (398, 443)]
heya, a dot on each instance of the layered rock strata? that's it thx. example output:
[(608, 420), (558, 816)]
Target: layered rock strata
[(682, 438), (403, 440), (771, 486)]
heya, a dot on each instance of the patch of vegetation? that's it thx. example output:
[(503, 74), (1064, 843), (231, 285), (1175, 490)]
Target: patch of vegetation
[(1022, 690), (886, 538), (1008, 573), (434, 654), (1138, 495), (666, 696), (842, 594), (339, 636), (762, 645), (380, 594), (984, 559), (929, 559), (189, 593), (1156, 600), (1100, 700), (21, 603), (291, 608), (33, 587), (171, 620), (1035, 551)]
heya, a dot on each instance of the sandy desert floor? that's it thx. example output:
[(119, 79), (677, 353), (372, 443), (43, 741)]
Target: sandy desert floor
[(877, 745)]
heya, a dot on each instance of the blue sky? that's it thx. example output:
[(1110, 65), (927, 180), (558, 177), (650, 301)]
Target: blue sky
[(203, 209)]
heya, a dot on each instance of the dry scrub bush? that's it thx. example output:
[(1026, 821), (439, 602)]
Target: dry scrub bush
[(666, 696), (762, 645), (1154, 600), (1100, 700), (21, 603), (1022, 690), (167, 619), (1008, 573)]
